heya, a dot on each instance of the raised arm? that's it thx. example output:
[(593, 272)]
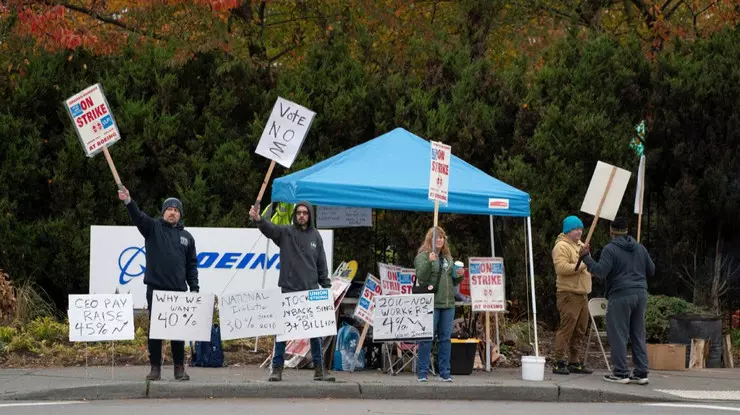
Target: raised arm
[(143, 222)]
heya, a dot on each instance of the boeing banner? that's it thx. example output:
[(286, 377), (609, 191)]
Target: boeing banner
[(229, 260)]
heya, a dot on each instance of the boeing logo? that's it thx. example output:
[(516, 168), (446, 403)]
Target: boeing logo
[(133, 265)]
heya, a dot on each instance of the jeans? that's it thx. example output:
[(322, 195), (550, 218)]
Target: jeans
[(625, 320), (443, 319), (155, 345), (278, 359)]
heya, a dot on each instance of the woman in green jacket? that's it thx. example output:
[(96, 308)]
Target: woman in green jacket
[(433, 270)]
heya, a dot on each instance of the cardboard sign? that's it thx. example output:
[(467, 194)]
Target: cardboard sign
[(181, 316), (403, 317), (598, 185), (328, 217), (93, 119), (251, 314), (308, 314), (366, 302), (487, 284), (439, 172), (285, 131), (101, 317), (395, 280)]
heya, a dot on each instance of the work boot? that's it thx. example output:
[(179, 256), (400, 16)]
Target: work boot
[(579, 368), (319, 373), (561, 368), (155, 373), (180, 373), (276, 374)]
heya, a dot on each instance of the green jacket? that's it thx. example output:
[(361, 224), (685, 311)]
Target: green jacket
[(427, 272)]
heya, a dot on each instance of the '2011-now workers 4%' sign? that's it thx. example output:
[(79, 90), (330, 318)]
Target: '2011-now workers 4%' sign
[(93, 119)]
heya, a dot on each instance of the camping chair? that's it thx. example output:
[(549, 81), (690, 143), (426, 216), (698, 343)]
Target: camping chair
[(406, 354), (597, 308)]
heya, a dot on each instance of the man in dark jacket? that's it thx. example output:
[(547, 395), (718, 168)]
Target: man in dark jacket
[(625, 265), (171, 265), (302, 267)]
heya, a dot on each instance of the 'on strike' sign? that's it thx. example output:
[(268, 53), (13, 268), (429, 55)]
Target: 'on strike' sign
[(93, 119), (439, 173), (487, 284)]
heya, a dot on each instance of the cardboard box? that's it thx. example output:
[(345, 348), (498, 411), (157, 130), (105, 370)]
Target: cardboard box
[(666, 356)]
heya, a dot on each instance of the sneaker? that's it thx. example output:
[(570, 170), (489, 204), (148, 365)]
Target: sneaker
[(616, 379), (639, 380), (560, 368), (447, 379), (579, 368), (424, 379)]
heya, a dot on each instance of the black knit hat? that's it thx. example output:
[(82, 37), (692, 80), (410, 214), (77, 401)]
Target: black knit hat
[(619, 226), (175, 203)]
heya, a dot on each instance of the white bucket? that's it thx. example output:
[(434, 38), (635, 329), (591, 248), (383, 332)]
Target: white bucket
[(533, 368)]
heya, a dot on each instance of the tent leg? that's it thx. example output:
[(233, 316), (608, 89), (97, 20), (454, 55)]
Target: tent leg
[(498, 341), (531, 278)]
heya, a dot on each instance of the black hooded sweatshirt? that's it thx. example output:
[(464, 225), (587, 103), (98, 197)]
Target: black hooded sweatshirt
[(625, 265), (302, 257), (171, 261)]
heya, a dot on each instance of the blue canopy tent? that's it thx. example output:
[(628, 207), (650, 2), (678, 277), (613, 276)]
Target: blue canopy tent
[(392, 172)]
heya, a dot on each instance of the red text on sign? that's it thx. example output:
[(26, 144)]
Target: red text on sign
[(486, 280), (91, 115)]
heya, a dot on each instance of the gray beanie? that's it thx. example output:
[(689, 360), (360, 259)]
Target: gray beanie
[(175, 203)]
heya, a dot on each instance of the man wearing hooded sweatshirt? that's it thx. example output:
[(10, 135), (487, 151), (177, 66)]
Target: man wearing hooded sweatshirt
[(625, 265), (573, 286), (171, 265), (302, 267)]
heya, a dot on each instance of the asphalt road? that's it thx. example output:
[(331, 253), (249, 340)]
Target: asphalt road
[(351, 407)]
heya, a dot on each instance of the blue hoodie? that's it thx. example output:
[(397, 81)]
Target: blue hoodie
[(625, 264)]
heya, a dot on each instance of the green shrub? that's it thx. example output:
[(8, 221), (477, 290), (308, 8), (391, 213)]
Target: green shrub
[(46, 328), (22, 342), (735, 338), (6, 334), (659, 310)]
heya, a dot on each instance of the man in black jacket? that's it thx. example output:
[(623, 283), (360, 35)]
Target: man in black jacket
[(625, 265), (171, 265), (302, 267)]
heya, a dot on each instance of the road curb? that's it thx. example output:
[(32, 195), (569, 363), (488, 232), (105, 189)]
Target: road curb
[(335, 390)]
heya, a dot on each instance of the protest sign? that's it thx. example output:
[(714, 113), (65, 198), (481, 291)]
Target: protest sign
[(285, 131), (93, 119), (487, 284), (251, 314), (395, 280), (308, 314), (403, 317), (343, 217), (439, 172), (101, 317), (181, 316), (366, 303)]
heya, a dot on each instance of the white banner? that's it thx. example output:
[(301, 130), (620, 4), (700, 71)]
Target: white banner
[(366, 302), (328, 217), (439, 172), (284, 132), (487, 284), (100, 317), (598, 186), (403, 317), (308, 314), (640, 190), (229, 260), (181, 316), (93, 119), (251, 314)]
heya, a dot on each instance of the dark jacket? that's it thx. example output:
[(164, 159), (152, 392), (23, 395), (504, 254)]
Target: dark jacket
[(625, 264), (171, 261), (302, 257)]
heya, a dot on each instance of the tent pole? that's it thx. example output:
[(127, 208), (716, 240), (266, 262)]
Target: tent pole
[(498, 341), (531, 277)]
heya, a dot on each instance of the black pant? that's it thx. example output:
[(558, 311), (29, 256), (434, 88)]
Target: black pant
[(625, 321), (155, 345)]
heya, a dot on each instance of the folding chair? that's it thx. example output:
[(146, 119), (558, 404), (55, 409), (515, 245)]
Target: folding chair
[(597, 308), (406, 354)]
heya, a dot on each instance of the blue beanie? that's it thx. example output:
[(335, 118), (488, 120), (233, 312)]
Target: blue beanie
[(173, 202), (570, 223)]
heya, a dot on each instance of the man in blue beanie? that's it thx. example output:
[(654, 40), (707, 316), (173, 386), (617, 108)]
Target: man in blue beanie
[(171, 265), (573, 286), (625, 265)]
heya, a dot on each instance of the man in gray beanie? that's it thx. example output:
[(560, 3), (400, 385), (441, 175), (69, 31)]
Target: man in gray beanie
[(625, 265), (171, 265)]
